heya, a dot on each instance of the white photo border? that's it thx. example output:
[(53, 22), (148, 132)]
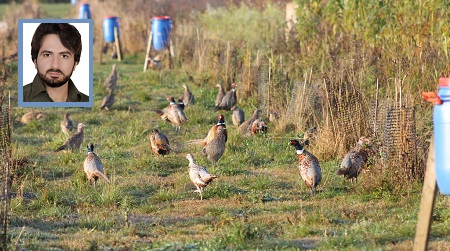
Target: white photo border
[(24, 58)]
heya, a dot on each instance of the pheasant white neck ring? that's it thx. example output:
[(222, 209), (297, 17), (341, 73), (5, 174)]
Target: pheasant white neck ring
[(300, 151)]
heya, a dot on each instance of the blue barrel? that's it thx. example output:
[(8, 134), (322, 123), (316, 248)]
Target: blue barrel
[(441, 121), (84, 11), (161, 28), (109, 22)]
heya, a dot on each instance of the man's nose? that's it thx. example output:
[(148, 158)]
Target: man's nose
[(55, 62)]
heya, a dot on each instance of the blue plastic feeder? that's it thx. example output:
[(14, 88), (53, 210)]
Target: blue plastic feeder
[(109, 22), (161, 28), (84, 11), (441, 121)]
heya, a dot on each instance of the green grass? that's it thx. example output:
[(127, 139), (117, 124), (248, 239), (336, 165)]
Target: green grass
[(258, 202)]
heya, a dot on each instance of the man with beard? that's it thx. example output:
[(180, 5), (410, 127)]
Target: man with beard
[(55, 51)]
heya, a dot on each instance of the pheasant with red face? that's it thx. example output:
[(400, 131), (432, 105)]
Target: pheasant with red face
[(308, 165), (173, 114)]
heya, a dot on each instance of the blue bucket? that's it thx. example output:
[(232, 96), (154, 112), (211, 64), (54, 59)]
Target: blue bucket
[(161, 27), (441, 121), (84, 11), (109, 23)]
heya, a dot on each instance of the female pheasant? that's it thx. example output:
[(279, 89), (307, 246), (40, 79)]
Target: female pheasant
[(188, 97), (199, 175), (66, 124), (355, 160), (93, 166), (74, 141), (309, 166), (159, 143), (238, 116)]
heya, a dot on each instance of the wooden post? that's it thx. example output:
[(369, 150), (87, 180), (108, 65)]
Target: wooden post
[(149, 48), (101, 47), (426, 203), (117, 44), (170, 50)]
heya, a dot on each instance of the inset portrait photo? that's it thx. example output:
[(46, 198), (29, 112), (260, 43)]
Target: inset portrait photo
[(55, 63)]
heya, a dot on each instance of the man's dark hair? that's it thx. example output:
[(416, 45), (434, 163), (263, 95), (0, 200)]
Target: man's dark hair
[(67, 33)]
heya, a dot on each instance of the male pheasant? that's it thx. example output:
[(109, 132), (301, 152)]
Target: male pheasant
[(93, 166), (174, 114), (199, 175), (309, 166), (355, 160)]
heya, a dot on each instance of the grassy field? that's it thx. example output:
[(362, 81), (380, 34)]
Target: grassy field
[(258, 202)]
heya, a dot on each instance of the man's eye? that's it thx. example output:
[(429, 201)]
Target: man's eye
[(46, 55), (65, 56)]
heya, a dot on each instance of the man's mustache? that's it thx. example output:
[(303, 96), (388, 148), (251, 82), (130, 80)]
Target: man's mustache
[(55, 71)]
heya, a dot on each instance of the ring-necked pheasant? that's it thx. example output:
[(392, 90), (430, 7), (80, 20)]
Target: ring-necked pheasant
[(111, 81), (93, 166), (214, 142), (215, 148), (355, 160), (199, 175), (308, 165), (66, 124), (174, 114), (238, 116), (181, 103), (74, 141), (159, 143), (229, 100), (188, 97), (108, 101)]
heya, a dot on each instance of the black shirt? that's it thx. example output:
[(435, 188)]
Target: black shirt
[(36, 92)]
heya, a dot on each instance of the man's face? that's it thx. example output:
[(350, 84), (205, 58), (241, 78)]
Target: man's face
[(54, 63)]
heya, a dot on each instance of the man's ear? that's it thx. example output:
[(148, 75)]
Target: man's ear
[(75, 65), (35, 66)]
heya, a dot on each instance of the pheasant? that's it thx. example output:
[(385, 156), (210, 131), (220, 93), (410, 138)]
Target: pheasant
[(219, 97), (229, 100), (355, 160), (199, 175), (212, 132), (111, 81), (259, 127), (74, 141), (188, 97), (108, 101), (181, 103), (66, 124), (174, 114), (159, 143), (93, 166), (30, 116), (309, 166), (246, 127), (237, 116), (215, 148)]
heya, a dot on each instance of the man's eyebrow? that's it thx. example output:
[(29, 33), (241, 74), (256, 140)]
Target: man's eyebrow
[(62, 52)]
